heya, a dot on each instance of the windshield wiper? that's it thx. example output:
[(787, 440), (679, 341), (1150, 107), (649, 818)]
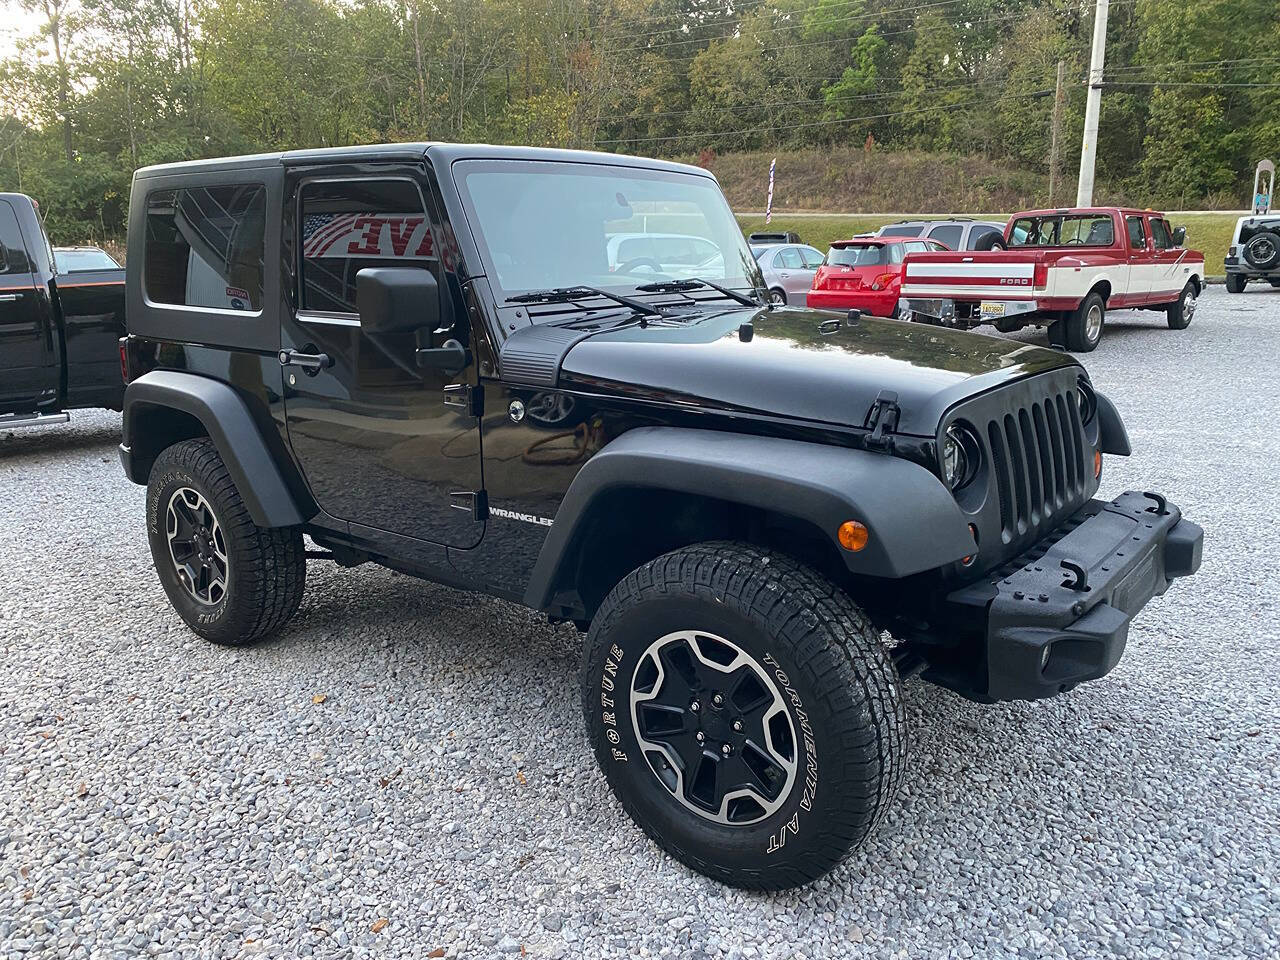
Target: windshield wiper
[(566, 294), (692, 283)]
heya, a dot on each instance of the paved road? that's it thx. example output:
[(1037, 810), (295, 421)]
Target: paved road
[(404, 770)]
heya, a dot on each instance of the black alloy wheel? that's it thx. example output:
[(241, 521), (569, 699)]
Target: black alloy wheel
[(713, 727)]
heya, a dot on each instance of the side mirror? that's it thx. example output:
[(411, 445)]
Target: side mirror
[(397, 299), (1179, 236)]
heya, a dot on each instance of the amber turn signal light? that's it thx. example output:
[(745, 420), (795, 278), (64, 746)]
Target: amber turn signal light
[(1097, 463), (852, 535)]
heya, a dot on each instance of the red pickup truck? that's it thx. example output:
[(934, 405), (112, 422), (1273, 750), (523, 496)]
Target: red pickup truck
[(1063, 269)]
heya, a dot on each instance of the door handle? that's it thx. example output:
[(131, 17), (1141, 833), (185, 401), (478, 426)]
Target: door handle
[(311, 363), (784, 276), (8, 297)]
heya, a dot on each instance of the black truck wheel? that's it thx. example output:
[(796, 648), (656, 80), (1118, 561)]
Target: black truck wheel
[(229, 579), (1082, 330), (745, 713), (1263, 250), (1236, 282), (1181, 311)]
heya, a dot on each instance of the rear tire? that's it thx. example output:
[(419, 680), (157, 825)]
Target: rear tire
[(778, 297), (1180, 312), (1274, 283), (230, 580), (990, 241), (1235, 283), (1262, 252), (807, 775), (1082, 330)]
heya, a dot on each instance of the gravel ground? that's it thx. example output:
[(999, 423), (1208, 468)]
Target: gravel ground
[(403, 772)]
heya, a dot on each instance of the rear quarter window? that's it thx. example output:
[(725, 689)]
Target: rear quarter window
[(204, 247)]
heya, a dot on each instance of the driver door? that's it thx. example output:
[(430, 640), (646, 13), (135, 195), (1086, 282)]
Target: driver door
[(369, 427)]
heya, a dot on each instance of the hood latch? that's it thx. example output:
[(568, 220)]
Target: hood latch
[(882, 418)]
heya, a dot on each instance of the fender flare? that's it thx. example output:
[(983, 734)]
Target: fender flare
[(229, 422), (1113, 438), (914, 523)]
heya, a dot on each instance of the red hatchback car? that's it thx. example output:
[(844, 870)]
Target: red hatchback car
[(866, 273)]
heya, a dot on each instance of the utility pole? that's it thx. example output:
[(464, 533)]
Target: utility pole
[(1089, 148), (1056, 130)]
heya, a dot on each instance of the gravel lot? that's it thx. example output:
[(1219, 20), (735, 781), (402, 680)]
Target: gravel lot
[(404, 771)]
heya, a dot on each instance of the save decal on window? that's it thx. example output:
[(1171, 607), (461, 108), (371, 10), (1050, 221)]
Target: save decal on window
[(393, 236)]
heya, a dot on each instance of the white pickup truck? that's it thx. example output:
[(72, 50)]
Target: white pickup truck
[(1063, 269)]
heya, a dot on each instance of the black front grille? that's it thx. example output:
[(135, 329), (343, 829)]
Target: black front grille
[(1038, 455)]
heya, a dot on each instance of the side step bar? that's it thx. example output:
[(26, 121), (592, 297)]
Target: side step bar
[(9, 421)]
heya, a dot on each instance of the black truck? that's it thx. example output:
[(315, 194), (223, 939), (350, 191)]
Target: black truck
[(60, 330), (441, 359)]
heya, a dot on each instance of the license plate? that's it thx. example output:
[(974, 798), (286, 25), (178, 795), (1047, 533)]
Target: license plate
[(991, 308)]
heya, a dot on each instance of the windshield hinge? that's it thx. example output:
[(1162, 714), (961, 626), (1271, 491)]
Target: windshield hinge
[(465, 397), (882, 419)]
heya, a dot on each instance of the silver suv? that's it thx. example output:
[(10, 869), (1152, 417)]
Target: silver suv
[(957, 234), (1254, 253)]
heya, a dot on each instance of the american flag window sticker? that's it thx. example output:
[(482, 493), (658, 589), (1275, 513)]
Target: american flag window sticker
[(391, 236)]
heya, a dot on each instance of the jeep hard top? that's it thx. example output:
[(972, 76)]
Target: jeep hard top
[(432, 357)]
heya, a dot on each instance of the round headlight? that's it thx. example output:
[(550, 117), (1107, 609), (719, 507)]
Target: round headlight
[(1088, 402), (959, 456)]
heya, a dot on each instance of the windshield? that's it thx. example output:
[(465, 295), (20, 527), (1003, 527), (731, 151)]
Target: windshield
[(546, 225), (868, 256), (1073, 230), (69, 261)]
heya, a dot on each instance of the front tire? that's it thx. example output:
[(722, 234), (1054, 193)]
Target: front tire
[(1183, 309), (230, 580), (745, 713)]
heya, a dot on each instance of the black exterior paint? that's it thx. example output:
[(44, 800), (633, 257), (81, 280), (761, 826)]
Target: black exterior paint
[(705, 428), (59, 334)]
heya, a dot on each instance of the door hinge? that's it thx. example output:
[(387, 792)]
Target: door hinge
[(882, 419), (465, 397), (475, 501)]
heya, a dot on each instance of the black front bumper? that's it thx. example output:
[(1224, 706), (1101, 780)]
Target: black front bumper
[(1059, 614)]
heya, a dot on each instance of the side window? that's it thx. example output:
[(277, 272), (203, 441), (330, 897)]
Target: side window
[(13, 255), (895, 253), (812, 257), (1160, 235), (915, 246), (350, 224), (1137, 236), (204, 247), (948, 235), (789, 259)]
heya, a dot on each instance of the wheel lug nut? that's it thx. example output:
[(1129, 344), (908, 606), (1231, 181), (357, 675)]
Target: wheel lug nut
[(695, 706), (718, 700), (737, 726), (726, 749), (700, 736)]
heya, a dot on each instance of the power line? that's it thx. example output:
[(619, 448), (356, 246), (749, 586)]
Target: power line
[(1021, 15), (1176, 83), (821, 100), (882, 15), (706, 134)]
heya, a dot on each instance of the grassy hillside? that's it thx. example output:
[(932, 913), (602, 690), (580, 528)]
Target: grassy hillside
[(1208, 232), (848, 180)]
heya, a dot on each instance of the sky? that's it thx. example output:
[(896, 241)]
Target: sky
[(14, 23)]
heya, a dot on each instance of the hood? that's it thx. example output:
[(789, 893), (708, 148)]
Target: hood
[(789, 369)]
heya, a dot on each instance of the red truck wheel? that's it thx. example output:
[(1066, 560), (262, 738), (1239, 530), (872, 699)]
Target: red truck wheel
[(1082, 330)]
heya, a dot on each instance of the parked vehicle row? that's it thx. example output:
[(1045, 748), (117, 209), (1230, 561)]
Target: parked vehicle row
[(1057, 268)]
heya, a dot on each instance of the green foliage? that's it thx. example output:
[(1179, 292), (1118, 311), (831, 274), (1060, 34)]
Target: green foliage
[(101, 87)]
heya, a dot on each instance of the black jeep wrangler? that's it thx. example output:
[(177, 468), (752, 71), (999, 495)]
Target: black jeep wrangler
[(457, 362)]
